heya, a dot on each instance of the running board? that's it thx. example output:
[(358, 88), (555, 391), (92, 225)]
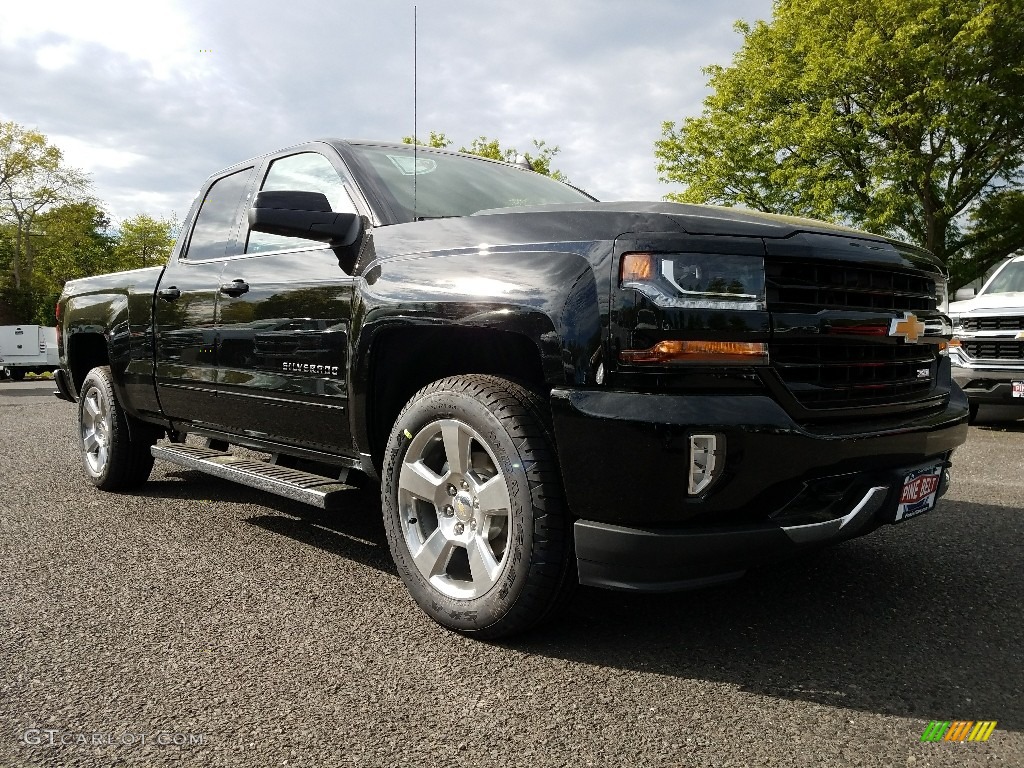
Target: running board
[(306, 487)]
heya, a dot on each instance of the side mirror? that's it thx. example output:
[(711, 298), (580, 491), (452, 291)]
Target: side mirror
[(963, 294), (304, 214)]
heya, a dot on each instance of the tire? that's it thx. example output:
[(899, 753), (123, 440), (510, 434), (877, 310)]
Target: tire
[(115, 446), (17, 374), (972, 413), (474, 509)]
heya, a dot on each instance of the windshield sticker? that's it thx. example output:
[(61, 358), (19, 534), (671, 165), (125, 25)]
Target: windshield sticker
[(410, 166)]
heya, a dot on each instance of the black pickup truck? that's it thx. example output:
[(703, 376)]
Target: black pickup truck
[(549, 390)]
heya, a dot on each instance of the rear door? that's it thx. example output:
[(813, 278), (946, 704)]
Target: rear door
[(186, 303), (284, 319)]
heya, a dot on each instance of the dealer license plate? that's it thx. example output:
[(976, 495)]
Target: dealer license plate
[(1018, 388), (920, 489)]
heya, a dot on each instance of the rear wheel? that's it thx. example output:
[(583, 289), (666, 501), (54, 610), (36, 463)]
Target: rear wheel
[(473, 507), (115, 446), (17, 374), (972, 413)]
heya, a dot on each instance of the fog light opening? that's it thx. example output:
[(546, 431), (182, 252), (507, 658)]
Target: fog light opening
[(706, 462)]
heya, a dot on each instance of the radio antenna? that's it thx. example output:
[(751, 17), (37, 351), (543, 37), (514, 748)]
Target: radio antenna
[(415, 114)]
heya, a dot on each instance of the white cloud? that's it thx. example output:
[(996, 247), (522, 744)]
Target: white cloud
[(157, 33), (88, 155), (53, 57), (151, 97)]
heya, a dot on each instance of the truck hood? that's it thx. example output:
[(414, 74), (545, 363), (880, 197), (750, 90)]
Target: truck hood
[(590, 222), (994, 301)]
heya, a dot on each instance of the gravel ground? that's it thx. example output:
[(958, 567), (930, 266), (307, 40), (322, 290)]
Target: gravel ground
[(263, 633)]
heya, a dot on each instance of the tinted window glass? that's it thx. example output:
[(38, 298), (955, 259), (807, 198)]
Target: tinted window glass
[(306, 172), (215, 225), (453, 185)]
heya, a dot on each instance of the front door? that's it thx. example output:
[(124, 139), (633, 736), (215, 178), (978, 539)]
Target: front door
[(283, 325)]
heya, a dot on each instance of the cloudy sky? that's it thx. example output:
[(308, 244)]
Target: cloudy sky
[(151, 97)]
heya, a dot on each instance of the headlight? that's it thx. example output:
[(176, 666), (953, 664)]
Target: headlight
[(696, 280), (941, 295)]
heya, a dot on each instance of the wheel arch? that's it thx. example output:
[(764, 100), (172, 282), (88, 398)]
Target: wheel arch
[(404, 358)]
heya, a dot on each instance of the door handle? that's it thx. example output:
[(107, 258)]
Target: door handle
[(169, 294), (236, 287)]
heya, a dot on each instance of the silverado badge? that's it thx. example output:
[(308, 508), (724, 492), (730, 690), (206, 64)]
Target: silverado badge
[(909, 327)]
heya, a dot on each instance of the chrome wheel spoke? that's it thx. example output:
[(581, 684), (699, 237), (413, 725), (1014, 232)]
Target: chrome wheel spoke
[(456, 446), (91, 442), (432, 558), (482, 565), (419, 480), (493, 495), (92, 407)]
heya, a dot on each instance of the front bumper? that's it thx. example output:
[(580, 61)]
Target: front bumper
[(988, 383), (637, 528)]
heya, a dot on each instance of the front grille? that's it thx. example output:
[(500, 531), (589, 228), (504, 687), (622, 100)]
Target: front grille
[(995, 350), (992, 323), (796, 285), (838, 374)]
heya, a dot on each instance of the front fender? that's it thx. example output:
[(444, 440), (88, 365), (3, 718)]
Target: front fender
[(550, 296)]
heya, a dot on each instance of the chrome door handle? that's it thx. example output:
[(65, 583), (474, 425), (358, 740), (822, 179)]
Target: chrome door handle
[(235, 288)]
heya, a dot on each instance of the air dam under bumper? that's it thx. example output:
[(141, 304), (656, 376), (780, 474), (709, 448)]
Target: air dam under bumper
[(624, 458)]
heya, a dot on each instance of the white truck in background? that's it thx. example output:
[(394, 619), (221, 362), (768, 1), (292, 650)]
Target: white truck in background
[(27, 349), (987, 350)]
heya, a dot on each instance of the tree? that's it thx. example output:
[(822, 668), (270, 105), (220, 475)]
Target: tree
[(144, 242), (33, 178), (73, 241), (540, 161), (905, 117)]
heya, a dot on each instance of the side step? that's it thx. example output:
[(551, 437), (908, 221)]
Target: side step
[(306, 487)]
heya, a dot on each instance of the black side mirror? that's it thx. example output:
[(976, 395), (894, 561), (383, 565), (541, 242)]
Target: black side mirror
[(304, 214)]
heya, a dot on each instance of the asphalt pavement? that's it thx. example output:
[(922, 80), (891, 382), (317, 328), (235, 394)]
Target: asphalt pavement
[(197, 622)]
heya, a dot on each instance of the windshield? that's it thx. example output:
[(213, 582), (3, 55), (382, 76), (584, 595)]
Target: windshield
[(452, 185), (1009, 280)]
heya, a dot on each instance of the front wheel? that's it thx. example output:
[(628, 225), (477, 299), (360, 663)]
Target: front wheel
[(473, 507), (115, 446)]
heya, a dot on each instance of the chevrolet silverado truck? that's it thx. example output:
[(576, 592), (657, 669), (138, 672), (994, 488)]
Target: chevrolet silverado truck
[(987, 351), (549, 390)]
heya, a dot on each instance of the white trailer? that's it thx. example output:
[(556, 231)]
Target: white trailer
[(27, 349)]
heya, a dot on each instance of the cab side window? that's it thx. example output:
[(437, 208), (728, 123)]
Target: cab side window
[(305, 172), (215, 224)]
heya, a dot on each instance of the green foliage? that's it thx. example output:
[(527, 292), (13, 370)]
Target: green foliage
[(539, 159), (72, 242), (52, 231), (144, 242), (437, 140), (905, 117)]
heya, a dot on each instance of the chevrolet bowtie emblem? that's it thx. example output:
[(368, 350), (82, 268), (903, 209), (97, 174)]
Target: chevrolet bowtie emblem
[(909, 327)]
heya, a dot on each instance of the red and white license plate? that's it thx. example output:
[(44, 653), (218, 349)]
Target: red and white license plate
[(920, 489), (1018, 388)]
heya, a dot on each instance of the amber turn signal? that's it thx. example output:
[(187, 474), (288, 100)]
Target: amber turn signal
[(637, 267), (746, 352)]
